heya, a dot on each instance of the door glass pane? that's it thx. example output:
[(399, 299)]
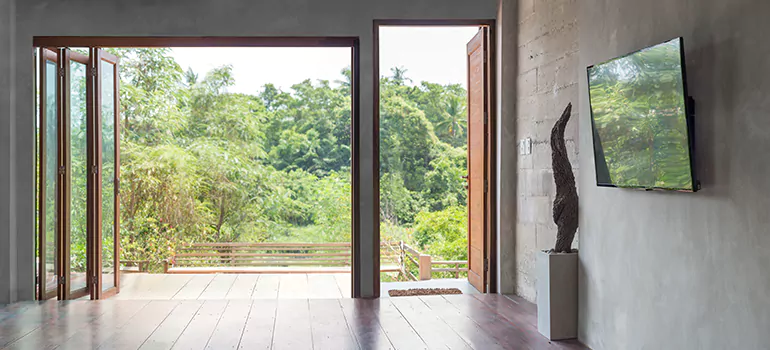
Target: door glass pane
[(108, 175), (50, 176), (78, 149)]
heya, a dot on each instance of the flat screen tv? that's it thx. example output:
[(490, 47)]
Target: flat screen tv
[(641, 119)]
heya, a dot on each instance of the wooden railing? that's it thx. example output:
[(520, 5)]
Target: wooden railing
[(260, 258), (404, 255), (300, 258)]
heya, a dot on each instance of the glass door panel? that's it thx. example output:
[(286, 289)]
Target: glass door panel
[(108, 185), (48, 165), (106, 159), (78, 162), (78, 237)]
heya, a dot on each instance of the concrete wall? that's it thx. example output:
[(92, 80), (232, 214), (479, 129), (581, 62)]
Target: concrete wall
[(7, 255), (177, 17), (547, 62), (507, 71), (678, 270)]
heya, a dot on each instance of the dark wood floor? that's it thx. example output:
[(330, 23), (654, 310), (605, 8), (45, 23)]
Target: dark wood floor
[(453, 322)]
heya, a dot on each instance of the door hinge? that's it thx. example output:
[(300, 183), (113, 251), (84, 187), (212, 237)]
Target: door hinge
[(94, 169), (61, 280), (486, 186), (486, 265), (93, 280), (62, 170), (486, 117), (93, 71), (61, 72)]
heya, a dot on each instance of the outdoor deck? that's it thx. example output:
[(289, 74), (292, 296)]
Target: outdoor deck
[(485, 322), (142, 286)]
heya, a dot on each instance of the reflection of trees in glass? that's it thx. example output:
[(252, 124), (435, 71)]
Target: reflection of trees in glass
[(638, 108)]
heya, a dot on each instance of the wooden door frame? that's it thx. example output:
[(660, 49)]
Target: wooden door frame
[(256, 41), (491, 203)]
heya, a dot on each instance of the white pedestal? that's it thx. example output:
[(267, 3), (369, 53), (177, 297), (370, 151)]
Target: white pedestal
[(557, 295)]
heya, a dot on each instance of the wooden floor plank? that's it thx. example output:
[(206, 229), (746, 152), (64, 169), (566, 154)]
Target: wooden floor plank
[(228, 332), (166, 334), (243, 287), (267, 287), (27, 320), (71, 318), (134, 286), (168, 288), (323, 286), (330, 330), (456, 321), (521, 317), (498, 327), (361, 316), (292, 325), (345, 284), (466, 327), (401, 334), (258, 332), (429, 326), (141, 326), (218, 288), (199, 330), (16, 309), (117, 314), (293, 287), (194, 288)]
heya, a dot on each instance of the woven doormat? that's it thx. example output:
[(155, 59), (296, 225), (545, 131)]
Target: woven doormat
[(422, 291)]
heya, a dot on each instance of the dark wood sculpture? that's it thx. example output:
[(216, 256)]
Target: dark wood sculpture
[(565, 205)]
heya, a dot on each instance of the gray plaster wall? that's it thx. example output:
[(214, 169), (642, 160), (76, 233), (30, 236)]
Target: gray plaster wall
[(7, 258), (546, 81), (679, 270), (174, 17)]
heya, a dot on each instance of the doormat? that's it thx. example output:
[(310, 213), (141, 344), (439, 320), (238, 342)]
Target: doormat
[(422, 291)]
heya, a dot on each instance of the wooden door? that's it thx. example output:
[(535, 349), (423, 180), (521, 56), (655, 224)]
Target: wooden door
[(478, 105)]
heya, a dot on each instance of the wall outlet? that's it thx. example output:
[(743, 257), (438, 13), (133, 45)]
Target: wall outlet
[(525, 146)]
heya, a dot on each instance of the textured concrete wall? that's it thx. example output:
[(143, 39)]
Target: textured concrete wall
[(679, 270), (547, 81), (193, 17)]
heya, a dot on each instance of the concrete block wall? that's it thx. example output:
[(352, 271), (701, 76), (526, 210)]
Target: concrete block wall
[(547, 81)]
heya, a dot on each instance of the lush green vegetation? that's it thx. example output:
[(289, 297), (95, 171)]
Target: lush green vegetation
[(639, 118), (201, 164)]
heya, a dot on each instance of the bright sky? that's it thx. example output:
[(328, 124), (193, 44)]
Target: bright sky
[(435, 54)]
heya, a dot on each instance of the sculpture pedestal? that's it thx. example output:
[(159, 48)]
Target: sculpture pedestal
[(557, 295)]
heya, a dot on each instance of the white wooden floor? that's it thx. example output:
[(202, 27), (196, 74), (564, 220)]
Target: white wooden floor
[(143, 286)]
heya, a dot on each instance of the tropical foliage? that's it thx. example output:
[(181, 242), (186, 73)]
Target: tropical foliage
[(202, 164)]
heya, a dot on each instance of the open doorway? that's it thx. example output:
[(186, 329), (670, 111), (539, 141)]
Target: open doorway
[(220, 179), (436, 151)]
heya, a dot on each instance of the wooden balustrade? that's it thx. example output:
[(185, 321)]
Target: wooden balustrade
[(300, 258)]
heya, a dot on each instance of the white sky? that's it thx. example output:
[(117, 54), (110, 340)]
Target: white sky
[(435, 54)]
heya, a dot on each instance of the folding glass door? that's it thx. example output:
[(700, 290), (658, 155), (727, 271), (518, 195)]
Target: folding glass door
[(78, 166)]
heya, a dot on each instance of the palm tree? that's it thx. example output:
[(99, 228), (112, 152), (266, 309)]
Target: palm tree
[(399, 75), (454, 120)]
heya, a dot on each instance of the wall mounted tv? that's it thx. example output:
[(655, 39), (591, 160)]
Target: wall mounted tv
[(642, 120)]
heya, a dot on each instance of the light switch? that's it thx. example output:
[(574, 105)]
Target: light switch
[(525, 146)]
